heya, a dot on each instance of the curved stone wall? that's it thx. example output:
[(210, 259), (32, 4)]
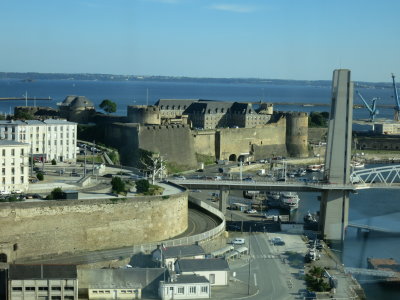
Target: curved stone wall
[(36, 229), (144, 114), (297, 134)]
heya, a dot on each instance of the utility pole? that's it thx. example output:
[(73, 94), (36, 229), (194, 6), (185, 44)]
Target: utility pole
[(84, 166), (94, 146), (248, 282)]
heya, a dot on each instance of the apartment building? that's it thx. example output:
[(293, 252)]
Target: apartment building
[(52, 282), (14, 164), (47, 139)]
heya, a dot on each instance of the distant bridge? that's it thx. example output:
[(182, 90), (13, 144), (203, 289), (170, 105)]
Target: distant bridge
[(372, 272), (372, 228)]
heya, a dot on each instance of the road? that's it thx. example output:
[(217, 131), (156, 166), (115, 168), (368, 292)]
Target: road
[(269, 272)]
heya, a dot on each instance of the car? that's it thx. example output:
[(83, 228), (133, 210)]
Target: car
[(250, 211), (74, 174), (108, 175), (181, 177), (238, 241), (248, 179), (277, 241)]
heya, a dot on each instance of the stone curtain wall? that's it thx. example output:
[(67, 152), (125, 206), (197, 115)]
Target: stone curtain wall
[(38, 229), (174, 142), (264, 141), (204, 142)]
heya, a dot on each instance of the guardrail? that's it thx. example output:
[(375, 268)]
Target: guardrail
[(190, 239)]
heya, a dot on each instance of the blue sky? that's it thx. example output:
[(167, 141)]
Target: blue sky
[(277, 39)]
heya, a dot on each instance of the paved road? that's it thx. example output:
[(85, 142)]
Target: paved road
[(273, 277)]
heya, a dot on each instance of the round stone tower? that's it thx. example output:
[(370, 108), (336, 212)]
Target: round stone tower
[(297, 134), (144, 114)]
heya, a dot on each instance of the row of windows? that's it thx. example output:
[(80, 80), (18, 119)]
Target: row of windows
[(43, 288), (12, 152), (49, 128), (192, 290), (109, 292)]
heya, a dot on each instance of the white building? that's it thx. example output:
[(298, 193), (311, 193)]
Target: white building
[(14, 162), (167, 256), (185, 287), (216, 270), (48, 139), (387, 128)]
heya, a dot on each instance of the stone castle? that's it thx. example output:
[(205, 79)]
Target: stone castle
[(180, 129)]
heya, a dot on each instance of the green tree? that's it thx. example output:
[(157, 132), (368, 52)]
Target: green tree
[(142, 186), (53, 162), (23, 115), (40, 176), (55, 194), (117, 185), (108, 106)]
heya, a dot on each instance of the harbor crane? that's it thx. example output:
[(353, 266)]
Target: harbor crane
[(372, 109), (396, 98)]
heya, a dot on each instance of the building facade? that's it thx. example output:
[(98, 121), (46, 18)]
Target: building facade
[(48, 139), (185, 287), (14, 161), (201, 114), (31, 282)]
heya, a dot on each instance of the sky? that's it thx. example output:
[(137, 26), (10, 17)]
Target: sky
[(273, 39)]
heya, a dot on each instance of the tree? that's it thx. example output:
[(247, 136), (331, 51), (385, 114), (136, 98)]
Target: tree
[(40, 176), (117, 185), (108, 106), (53, 162), (142, 186), (155, 164), (55, 194)]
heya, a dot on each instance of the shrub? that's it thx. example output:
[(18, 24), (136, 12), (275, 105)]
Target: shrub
[(117, 185), (40, 176), (53, 162), (55, 194), (142, 186)]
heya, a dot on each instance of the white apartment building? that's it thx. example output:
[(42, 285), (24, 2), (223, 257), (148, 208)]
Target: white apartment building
[(48, 139), (14, 164)]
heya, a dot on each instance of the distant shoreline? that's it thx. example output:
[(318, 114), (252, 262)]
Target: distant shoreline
[(32, 76)]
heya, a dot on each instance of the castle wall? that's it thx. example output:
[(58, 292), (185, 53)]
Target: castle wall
[(265, 141), (37, 229), (204, 142), (316, 135), (144, 114), (174, 142), (297, 134)]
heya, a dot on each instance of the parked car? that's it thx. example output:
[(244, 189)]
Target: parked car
[(238, 241), (250, 211)]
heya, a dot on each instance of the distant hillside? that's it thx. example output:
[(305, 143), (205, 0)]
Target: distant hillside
[(110, 77)]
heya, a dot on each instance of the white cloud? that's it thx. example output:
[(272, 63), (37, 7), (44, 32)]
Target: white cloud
[(233, 8)]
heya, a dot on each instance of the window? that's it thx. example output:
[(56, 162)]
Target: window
[(29, 288), (68, 288), (181, 290), (56, 288), (17, 288), (204, 289), (43, 288), (192, 290), (4, 152), (55, 297), (13, 152)]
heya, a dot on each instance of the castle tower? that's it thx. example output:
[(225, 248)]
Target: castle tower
[(144, 114), (297, 134)]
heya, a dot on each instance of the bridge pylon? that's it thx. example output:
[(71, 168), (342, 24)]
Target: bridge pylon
[(334, 208)]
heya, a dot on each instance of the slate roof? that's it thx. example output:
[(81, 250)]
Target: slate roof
[(175, 102), (182, 251), (81, 101), (191, 279), (23, 272), (211, 264), (119, 278)]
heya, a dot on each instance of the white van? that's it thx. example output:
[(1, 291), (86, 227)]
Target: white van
[(237, 241)]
